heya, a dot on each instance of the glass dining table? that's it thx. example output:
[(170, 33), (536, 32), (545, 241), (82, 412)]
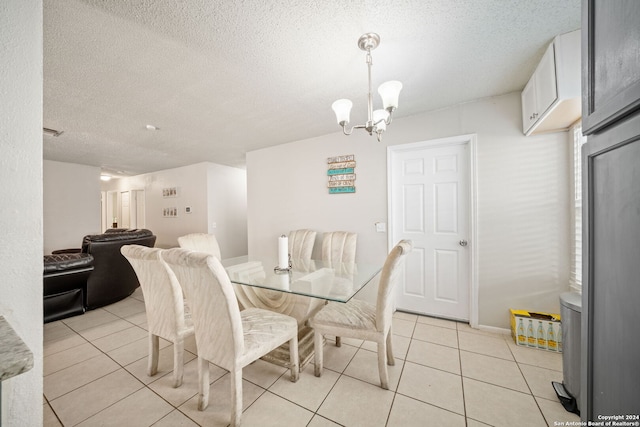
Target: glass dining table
[(299, 292), (310, 278)]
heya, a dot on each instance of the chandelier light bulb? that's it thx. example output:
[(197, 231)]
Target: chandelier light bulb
[(380, 120), (342, 108), (389, 92)]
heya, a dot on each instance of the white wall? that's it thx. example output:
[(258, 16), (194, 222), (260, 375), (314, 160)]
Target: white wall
[(523, 210), (227, 218), (21, 206), (71, 194), (215, 194)]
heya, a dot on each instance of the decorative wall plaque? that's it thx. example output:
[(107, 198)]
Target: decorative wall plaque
[(341, 173)]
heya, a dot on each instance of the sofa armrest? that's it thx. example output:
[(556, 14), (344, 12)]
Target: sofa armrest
[(67, 251)]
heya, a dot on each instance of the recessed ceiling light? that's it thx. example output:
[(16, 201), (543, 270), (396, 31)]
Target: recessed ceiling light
[(152, 127), (105, 177)]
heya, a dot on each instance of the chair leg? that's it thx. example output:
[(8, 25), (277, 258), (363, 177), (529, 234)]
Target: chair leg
[(318, 356), (338, 342), (382, 364), (236, 397), (154, 348), (203, 384), (391, 361), (178, 362), (294, 359)]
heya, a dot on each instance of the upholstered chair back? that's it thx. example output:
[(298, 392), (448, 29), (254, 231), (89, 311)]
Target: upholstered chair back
[(162, 293), (339, 247), (389, 277), (301, 244), (214, 308), (200, 242)]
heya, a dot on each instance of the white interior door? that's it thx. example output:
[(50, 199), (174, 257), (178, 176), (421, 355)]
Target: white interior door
[(138, 196), (430, 204), (125, 209)]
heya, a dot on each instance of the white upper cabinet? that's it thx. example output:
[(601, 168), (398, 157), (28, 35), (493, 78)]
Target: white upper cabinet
[(551, 99)]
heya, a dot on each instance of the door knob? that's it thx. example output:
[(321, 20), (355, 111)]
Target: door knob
[(462, 243)]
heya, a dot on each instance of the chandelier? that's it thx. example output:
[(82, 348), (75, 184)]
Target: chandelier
[(378, 120)]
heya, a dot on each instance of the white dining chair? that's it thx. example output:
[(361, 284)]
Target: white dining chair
[(167, 315), (226, 336), (200, 242), (301, 244), (362, 320), (339, 247)]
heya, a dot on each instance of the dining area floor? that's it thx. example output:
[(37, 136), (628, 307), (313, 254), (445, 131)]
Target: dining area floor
[(445, 374)]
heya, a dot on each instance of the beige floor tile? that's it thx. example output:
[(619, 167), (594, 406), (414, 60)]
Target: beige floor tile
[(403, 328), (434, 355), (493, 370), (142, 408), (190, 344), (75, 376), (464, 327), (433, 386), (535, 357), (189, 388), (63, 343), (55, 330), (351, 341), (136, 350), (539, 380), (400, 346), (69, 357), (218, 413), (407, 412), (499, 406), (90, 319), (337, 358), (474, 423), (120, 338), (99, 331), (49, 418), (273, 411), (165, 365), (436, 334), (554, 413), (405, 316), (137, 319), (364, 366), (436, 321), (309, 391), (484, 344), (175, 419), (126, 307), (356, 403), (319, 421), (88, 400), (264, 374)]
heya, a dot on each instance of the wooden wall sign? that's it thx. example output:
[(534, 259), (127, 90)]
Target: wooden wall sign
[(341, 173)]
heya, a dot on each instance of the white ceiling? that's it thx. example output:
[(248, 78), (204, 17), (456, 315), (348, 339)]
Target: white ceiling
[(223, 77)]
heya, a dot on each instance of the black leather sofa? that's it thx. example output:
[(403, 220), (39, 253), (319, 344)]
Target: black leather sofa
[(112, 278), (65, 285)]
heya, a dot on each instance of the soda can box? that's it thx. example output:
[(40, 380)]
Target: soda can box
[(536, 330)]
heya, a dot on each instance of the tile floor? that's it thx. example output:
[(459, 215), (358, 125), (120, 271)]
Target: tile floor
[(446, 374)]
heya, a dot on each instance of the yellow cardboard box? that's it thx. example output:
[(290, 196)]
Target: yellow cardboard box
[(536, 330)]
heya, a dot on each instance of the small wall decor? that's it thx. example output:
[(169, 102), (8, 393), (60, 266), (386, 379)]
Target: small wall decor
[(170, 212), (170, 192), (341, 173)]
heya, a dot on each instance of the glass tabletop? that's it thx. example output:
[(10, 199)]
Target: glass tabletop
[(314, 278)]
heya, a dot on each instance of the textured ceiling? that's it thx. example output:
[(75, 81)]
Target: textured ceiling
[(220, 78)]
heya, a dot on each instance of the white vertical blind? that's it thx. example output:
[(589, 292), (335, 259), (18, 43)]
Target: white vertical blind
[(576, 216)]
